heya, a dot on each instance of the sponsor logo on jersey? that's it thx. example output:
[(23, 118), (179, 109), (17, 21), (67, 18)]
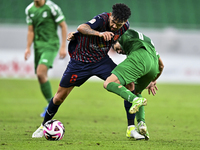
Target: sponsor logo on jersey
[(44, 15), (92, 21), (101, 45)]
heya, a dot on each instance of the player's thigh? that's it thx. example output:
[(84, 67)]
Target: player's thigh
[(144, 81), (75, 74), (129, 70)]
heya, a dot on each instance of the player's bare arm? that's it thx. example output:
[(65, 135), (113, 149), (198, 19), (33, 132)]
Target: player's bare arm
[(63, 51), (161, 67), (152, 86), (30, 37), (87, 30)]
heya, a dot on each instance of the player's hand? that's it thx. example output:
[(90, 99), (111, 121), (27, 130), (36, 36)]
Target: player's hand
[(152, 88), (27, 54), (62, 53), (106, 35), (70, 36)]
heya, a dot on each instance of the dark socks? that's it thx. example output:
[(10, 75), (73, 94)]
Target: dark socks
[(51, 111), (130, 117)]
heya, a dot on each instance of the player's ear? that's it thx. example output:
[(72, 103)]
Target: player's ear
[(110, 13)]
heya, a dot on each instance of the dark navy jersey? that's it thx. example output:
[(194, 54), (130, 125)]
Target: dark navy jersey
[(89, 49)]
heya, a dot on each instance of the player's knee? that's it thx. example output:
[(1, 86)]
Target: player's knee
[(105, 84), (42, 78), (58, 100)]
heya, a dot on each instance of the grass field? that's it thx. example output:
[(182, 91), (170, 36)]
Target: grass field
[(95, 119)]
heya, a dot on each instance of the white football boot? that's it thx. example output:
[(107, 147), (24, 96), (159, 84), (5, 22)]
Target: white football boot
[(132, 133), (142, 129), (38, 133)]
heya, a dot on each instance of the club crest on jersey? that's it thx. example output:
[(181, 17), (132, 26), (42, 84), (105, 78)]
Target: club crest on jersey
[(92, 21), (116, 37), (32, 15), (44, 15)]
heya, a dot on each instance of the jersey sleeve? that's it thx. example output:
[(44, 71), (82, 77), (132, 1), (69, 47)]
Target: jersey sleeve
[(28, 19), (96, 22), (56, 12)]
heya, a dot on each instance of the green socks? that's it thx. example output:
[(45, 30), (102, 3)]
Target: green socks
[(127, 95), (121, 91), (46, 90), (140, 115)]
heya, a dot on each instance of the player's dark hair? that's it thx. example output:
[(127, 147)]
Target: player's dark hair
[(121, 12)]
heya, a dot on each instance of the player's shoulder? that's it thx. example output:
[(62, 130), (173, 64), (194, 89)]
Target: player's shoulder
[(132, 31), (29, 7), (51, 4), (103, 16)]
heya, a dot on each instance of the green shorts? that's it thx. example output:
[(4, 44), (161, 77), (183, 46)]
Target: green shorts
[(139, 67), (45, 57)]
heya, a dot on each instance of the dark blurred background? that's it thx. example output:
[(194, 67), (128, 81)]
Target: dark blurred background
[(173, 25), (145, 13)]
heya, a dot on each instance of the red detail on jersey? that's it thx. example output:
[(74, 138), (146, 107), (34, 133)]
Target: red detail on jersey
[(116, 37)]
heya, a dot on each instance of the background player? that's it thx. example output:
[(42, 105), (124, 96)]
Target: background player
[(43, 17), (142, 66)]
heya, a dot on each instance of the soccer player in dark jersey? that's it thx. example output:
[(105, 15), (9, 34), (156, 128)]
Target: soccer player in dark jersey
[(43, 18), (89, 54), (142, 66)]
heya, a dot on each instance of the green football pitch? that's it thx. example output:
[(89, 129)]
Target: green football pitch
[(95, 119)]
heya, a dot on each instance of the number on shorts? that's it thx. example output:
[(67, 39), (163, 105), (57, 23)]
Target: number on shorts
[(73, 78)]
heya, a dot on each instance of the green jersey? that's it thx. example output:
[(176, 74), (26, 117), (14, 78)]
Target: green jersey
[(133, 40), (141, 65), (45, 20)]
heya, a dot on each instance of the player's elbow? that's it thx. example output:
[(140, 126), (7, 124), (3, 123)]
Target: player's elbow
[(81, 28), (162, 67)]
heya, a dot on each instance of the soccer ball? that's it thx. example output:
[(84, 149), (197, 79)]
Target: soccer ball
[(53, 130)]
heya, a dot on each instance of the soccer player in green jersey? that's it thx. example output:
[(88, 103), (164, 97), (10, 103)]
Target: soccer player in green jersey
[(142, 67), (43, 18)]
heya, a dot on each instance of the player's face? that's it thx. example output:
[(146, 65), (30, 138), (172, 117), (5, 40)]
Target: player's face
[(39, 3), (115, 24), (117, 47)]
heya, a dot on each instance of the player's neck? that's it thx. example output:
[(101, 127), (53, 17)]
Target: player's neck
[(39, 3)]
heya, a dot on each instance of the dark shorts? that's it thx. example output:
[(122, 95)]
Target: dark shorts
[(77, 72)]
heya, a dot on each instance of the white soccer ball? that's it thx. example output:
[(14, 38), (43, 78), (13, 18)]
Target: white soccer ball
[(53, 130)]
